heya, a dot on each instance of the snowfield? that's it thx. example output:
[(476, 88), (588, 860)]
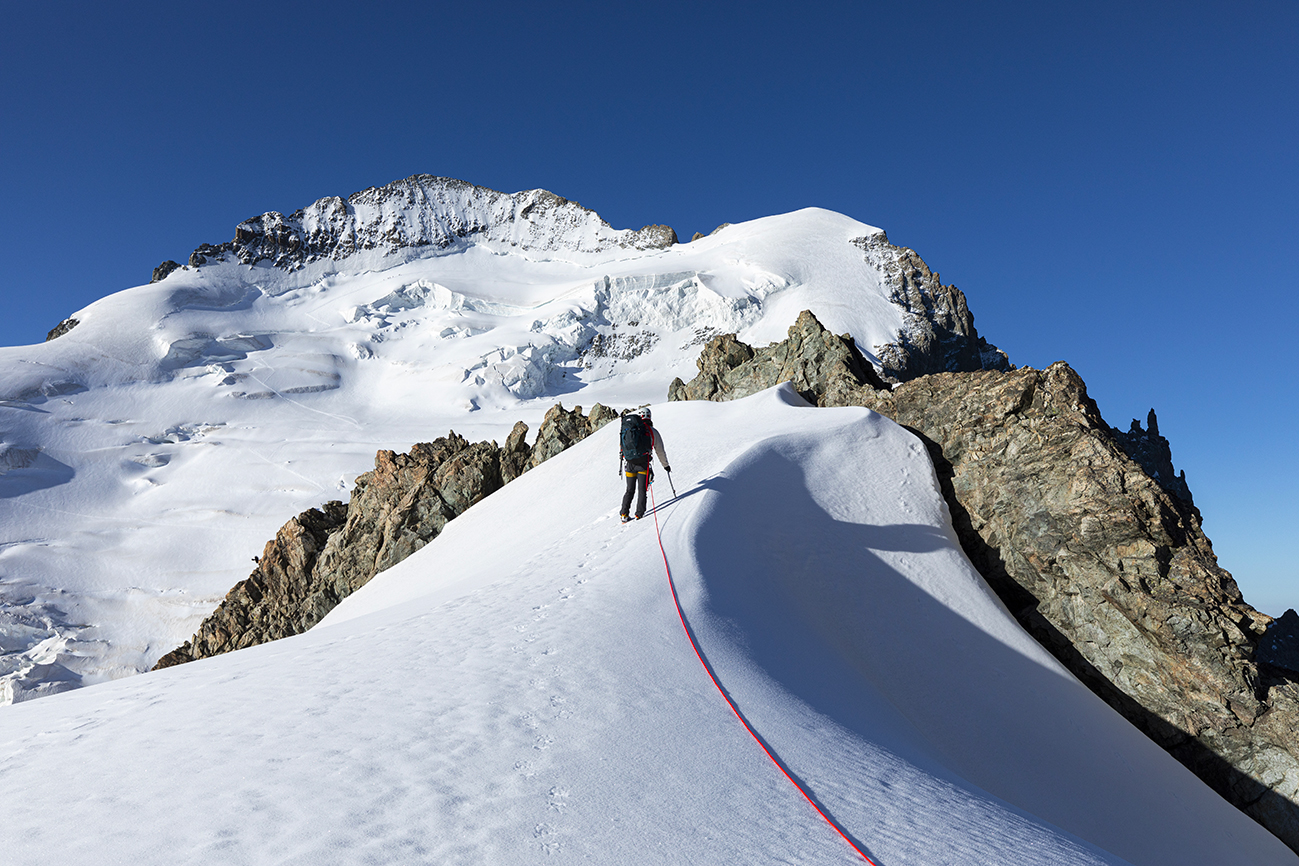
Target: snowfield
[(521, 689), (149, 453)]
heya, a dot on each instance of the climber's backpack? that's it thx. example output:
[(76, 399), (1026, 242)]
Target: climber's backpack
[(636, 441)]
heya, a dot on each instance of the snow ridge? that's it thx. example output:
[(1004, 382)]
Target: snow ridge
[(425, 211), (313, 341)]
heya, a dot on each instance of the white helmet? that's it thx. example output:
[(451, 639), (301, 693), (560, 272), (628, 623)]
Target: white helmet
[(644, 413)]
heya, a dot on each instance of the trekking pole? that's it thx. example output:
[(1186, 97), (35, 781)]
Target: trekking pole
[(670, 484)]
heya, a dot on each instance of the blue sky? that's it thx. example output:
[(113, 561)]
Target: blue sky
[(1111, 184)]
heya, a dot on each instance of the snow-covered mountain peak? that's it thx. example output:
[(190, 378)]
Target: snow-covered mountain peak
[(288, 357), (150, 449), (424, 211)]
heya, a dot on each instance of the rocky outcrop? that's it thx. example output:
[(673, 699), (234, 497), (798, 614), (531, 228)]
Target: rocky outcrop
[(62, 328), (1280, 645), (656, 237), (424, 211), (161, 272), (939, 334), (1155, 455), (516, 453), (824, 369), (1095, 557), (698, 235), (1112, 574), (560, 430), (250, 613), (402, 505), (324, 555)]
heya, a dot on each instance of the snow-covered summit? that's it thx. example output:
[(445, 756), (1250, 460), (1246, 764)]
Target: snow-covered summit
[(426, 211), (148, 453)]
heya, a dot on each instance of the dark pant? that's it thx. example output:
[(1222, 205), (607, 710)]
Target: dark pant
[(637, 475)]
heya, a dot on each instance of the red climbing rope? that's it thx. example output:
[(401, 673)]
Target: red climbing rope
[(694, 644)]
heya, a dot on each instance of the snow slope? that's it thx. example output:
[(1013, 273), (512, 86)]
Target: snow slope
[(522, 687), (149, 453)]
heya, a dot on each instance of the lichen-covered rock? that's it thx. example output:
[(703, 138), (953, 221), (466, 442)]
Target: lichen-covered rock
[(1097, 559)]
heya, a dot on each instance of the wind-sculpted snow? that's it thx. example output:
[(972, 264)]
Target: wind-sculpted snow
[(1077, 527), (303, 372), (506, 696)]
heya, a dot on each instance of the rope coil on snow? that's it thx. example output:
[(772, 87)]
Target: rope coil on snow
[(694, 644)]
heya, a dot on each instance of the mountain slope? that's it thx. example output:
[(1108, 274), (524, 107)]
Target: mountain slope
[(521, 686), (1092, 543), (147, 453)]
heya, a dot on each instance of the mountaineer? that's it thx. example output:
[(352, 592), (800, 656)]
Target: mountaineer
[(639, 443)]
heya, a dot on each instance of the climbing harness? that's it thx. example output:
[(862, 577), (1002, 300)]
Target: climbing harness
[(694, 644)]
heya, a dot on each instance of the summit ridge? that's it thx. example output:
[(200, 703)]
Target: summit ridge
[(425, 211)]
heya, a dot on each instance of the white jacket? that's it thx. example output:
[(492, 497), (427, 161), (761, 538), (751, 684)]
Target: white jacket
[(658, 446)]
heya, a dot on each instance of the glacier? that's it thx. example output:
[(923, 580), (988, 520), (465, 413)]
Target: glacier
[(521, 687), (150, 450)]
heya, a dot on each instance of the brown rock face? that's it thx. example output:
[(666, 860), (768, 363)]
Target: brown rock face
[(163, 270), (938, 335), (402, 505), (516, 453), (250, 615), (824, 369), (1095, 558), (322, 556), (61, 328), (560, 430)]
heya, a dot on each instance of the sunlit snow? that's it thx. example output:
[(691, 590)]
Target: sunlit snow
[(149, 453), (521, 688)]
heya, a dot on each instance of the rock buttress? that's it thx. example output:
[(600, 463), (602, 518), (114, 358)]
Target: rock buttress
[(324, 555), (1103, 564)]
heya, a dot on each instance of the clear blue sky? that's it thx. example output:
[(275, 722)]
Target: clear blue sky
[(1112, 184)]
